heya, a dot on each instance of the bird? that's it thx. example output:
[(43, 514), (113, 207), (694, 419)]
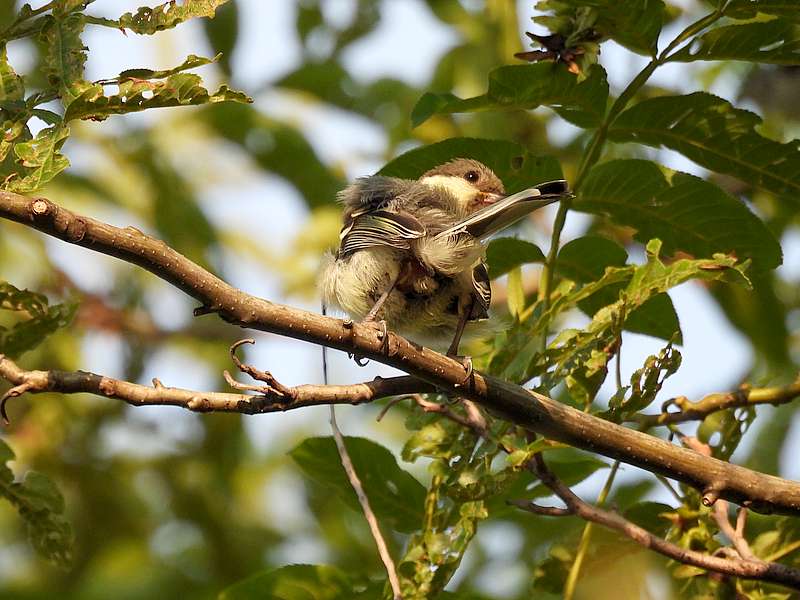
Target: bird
[(411, 253)]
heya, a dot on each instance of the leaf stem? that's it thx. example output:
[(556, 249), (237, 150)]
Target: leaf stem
[(596, 145)]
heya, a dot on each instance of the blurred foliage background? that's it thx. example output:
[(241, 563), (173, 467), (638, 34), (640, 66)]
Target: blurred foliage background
[(166, 504)]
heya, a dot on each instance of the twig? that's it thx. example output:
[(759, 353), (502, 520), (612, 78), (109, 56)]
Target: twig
[(73, 382), (736, 536), (697, 411), (737, 566), (525, 408), (352, 476)]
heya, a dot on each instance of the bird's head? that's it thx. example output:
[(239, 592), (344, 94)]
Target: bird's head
[(471, 184)]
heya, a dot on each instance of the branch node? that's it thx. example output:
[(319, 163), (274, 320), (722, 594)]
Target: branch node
[(14, 392), (712, 493)]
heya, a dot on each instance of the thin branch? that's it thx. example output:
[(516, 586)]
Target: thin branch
[(530, 410), (363, 500), (301, 396), (697, 411), (737, 566), (735, 535)]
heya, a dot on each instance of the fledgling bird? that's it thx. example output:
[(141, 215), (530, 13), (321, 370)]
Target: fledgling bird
[(411, 253)]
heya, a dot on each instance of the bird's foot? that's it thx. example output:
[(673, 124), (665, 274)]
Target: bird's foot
[(466, 362), (383, 336)]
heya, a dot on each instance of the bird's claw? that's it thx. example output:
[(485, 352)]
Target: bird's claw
[(466, 362)]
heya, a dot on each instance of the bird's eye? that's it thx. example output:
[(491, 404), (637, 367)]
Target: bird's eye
[(472, 176)]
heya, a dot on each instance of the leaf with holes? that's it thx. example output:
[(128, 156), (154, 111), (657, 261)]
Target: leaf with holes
[(149, 20), (749, 9), (134, 95), (776, 42), (38, 161), (11, 87), (525, 87), (689, 214), (715, 135), (64, 56), (395, 496), (514, 165)]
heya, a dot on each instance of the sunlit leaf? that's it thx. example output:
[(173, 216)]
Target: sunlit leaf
[(514, 165), (38, 160), (41, 505), (715, 135), (149, 20), (134, 95), (689, 214), (585, 259), (395, 496), (294, 582), (503, 254), (65, 55), (776, 41), (11, 87), (525, 87)]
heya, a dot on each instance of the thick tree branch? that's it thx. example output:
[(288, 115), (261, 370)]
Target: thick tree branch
[(301, 396), (697, 411), (533, 411), (740, 564)]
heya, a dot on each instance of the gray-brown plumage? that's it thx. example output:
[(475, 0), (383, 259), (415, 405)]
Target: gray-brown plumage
[(411, 252)]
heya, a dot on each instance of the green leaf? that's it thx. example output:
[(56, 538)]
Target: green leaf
[(38, 160), (516, 294), (635, 24), (715, 135), (690, 214), (41, 506), (395, 496), (64, 55), (525, 87), (134, 95), (571, 466), (11, 87), (192, 62), (40, 319), (513, 164), (147, 20), (585, 259), (776, 42), (504, 254), (748, 9), (278, 148), (294, 582)]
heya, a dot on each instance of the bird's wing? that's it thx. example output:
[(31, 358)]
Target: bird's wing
[(380, 228), (495, 217), (482, 290), (374, 193)]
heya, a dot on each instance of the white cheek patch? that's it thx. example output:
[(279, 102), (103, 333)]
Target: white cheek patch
[(459, 188)]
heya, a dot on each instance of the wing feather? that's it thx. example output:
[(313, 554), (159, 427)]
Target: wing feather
[(380, 228)]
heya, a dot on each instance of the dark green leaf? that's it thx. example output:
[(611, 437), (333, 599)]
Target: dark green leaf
[(776, 42), (773, 430), (395, 496), (585, 259), (515, 166), (503, 254), (40, 320), (294, 582), (635, 24), (690, 214), (278, 148), (41, 506), (525, 87), (715, 135), (748, 9), (650, 516)]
